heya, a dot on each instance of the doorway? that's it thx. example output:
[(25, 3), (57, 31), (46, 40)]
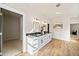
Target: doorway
[(74, 31), (12, 33)]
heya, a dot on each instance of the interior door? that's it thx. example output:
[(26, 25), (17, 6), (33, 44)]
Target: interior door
[(1, 26)]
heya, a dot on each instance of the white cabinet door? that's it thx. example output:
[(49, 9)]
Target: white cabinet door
[(31, 49), (40, 41), (32, 41), (44, 39)]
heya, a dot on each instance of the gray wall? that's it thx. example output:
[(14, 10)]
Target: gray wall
[(11, 27)]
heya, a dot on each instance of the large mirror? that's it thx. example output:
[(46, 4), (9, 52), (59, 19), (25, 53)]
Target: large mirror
[(39, 26)]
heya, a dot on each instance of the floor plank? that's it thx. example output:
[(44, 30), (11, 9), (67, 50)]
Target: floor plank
[(57, 48), (12, 47)]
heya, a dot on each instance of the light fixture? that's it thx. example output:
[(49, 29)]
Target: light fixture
[(44, 23), (58, 12), (36, 20)]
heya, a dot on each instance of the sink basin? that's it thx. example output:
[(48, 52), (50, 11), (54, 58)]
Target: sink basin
[(36, 35)]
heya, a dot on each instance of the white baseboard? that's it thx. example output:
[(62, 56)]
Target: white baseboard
[(10, 39), (62, 39)]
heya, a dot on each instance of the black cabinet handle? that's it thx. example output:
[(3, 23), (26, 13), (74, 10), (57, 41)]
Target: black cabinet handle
[(41, 41)]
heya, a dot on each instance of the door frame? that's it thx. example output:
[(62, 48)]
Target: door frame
[(24, 47), (77, 24), (1, 32)]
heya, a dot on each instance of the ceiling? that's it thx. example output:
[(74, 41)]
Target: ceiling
[(48, 10)]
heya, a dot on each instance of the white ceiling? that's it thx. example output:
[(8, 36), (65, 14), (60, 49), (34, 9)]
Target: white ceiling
[(48, 9)]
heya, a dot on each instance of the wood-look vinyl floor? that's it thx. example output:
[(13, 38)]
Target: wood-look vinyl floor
[(12, 47), (57, 48)]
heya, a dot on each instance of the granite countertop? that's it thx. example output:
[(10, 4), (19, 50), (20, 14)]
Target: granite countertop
[(33, 35)]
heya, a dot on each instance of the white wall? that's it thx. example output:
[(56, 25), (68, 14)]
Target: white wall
[(11, 27), (62, 34), (30, 17), (74, 20)]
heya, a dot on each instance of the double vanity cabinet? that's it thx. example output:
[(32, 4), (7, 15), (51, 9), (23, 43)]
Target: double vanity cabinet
[(35, 43)]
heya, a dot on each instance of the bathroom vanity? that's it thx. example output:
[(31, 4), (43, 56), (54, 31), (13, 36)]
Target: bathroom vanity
[(38, 37), (34, 43)]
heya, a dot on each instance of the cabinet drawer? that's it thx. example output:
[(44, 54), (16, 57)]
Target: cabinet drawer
[(36, 41), (35, 45), (32, 42), (31, 49)]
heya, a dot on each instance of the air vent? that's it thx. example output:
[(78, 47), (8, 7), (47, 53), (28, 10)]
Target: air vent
[(58, 5)]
